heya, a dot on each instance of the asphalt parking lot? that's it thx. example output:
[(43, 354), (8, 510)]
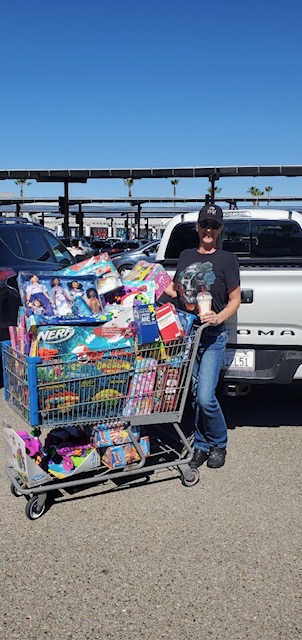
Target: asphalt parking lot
[(221, 560)]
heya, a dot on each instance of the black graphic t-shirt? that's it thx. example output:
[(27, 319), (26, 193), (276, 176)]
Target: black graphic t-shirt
[(216, 272)]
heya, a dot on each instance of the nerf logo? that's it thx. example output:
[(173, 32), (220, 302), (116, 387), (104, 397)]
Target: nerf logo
[(59, 334)]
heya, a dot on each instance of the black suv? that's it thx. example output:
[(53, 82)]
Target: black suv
[(24, 246)]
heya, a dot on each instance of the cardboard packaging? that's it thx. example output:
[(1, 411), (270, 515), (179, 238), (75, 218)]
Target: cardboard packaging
[(124, 454), (169, 323), (146, 327)]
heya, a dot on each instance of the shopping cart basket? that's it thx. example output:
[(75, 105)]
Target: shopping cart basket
[(143, 388)]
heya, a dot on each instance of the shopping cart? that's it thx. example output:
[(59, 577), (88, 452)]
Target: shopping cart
[(143, 388)]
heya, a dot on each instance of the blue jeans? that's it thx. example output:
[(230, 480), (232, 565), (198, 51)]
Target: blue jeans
[(210, 424)]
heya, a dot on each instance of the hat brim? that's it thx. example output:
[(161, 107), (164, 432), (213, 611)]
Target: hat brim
[(212, 218)]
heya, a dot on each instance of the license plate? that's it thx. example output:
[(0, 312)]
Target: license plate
[(239, 359)]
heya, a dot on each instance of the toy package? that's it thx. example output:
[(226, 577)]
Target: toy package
[(146, 327), (186, 320), (53, 299), (149, 271), (108, 282), (166, 390), (169, 322), (124, 454), (137, 292), (112, 433), (80, 341), (100, 265), (65, 452), (139, 396)]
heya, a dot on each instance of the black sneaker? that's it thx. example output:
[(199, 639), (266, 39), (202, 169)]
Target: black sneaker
[(216, 457), (199, 457)]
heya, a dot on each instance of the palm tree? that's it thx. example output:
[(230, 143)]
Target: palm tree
[(174, 183), (129, 182), (21, 183), (216, 190), (268, 190), (255, 192)]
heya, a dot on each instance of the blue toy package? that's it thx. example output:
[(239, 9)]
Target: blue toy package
[(107, 434), (55, 299), (146, 327), (80, 341), (96, 265), (186, 320)]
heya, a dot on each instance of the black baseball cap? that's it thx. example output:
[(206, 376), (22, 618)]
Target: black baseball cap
[(211, 212)]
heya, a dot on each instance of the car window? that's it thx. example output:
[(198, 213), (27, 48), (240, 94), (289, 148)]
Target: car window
[(236, 237), (183, 236), (253, 238), (34, 245), (276, 238), (9, 245), (59, 250)]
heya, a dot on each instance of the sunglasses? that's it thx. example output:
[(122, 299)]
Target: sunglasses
[(209, 224)]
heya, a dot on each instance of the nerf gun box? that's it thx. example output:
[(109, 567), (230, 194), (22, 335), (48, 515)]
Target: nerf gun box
[(79, 341)]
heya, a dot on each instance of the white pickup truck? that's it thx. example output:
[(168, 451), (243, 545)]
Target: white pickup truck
[(265, 336)]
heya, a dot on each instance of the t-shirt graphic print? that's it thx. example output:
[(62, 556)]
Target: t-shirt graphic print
[(217, 273)]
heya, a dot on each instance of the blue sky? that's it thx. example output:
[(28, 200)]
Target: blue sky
[(167, 83)]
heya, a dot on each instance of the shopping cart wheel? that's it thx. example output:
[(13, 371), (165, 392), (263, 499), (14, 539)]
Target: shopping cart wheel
[(193, 479), (15, 491), (32, 511)]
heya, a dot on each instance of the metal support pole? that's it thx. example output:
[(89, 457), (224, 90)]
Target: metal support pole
[(138, 219), (65, 210), (212, 180), (127, 226), (81, 220), (18, 210)]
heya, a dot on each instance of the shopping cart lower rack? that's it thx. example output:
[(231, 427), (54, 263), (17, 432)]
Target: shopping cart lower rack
[(126, 406)]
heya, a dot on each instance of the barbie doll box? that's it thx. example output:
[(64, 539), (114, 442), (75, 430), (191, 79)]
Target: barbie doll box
[(54, 298)]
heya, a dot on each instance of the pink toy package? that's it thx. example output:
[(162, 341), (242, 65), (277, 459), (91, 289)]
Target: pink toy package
[(153, 272), (139, 398), (160, 277)]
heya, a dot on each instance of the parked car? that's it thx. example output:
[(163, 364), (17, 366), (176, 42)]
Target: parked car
[(126, 245), (24, 246), (100, 245), (126, 260), (78, 247)]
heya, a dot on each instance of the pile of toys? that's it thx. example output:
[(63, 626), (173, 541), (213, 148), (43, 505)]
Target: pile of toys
[(101, 347)]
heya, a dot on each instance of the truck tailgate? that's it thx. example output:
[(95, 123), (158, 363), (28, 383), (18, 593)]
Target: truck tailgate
[(273, 313)]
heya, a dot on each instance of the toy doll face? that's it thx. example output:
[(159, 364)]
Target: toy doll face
[(56, 281), (34, 278), (92, 294), (75, 284), (37, 303)]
